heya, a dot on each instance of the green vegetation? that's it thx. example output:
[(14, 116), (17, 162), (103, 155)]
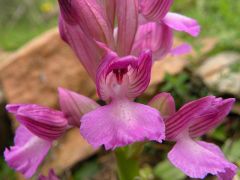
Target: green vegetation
[(21, 20), (5, 172), (217, 18)]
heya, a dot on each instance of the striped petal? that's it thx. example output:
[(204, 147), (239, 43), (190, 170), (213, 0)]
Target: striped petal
[(212, 117), (182, 23), (90, 16), (110, 8), (125, 77), (155, 37), (86, 49), (127, 18), (164, 103), (182, 119), (43, 122), (155, 10), (27, 153), (74, 105)]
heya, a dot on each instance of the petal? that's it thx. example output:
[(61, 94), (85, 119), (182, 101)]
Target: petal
[(74, 105), (164, 103), (51, 176), (90, 16), (182, 23), (86, 49), (110, 7), (155, 37), (155, 10), (43, 122), (182, 119), (197, 159), (125, 77), (182, 49), (127, 18), (28, 152), (212, 117), (139, 77), (122, 123), (13, 108)]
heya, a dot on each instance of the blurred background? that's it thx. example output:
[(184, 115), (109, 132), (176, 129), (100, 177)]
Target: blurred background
[(34, 62)]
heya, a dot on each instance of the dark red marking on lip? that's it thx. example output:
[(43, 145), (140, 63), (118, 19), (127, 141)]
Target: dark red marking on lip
[(119, 74)]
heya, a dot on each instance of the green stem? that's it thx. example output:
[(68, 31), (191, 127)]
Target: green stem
[(128, 167)]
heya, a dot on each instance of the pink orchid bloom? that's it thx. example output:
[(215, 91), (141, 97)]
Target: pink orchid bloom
[(121, 121), (39, 127), (140, 25), (195, 158)]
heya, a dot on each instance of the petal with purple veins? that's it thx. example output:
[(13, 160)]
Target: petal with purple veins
[(155, 37), (154, 10), (90, 16), (127, 18), (183, 118), (45, 123), (86, 49), (212, 117)]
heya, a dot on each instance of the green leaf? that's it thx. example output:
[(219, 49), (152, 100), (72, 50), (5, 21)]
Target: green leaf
[(232, 150), (87, 170), (5, 172), (165, 171)]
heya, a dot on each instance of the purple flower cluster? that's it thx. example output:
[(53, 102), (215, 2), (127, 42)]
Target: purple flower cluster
[(117, 41)]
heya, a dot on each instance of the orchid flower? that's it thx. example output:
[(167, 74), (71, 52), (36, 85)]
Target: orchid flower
[(194, 157), (140, 25), (39, 127), (122, 121)]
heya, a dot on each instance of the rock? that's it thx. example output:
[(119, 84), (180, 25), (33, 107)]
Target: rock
[(221, 72)]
